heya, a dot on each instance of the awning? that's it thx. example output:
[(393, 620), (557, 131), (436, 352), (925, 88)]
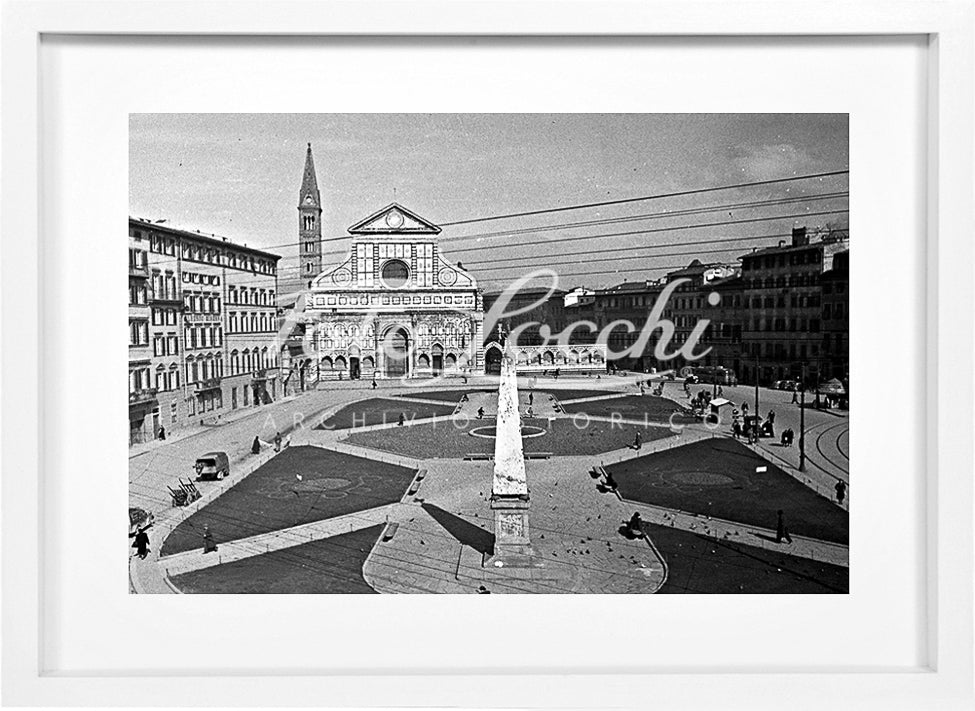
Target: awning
[(832, 387), (720, 401)]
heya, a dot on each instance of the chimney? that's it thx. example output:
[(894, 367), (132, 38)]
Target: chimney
[(799, 237)]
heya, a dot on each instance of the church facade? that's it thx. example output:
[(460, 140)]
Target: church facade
[(395, 307)]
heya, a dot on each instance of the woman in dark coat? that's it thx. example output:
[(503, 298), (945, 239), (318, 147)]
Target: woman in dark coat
[(141, 543)]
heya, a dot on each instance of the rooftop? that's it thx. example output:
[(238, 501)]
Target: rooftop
[(207, 238)]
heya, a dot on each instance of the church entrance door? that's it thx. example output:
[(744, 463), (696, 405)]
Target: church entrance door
[(492, 361), (437, 360), (396, 352), (354, 370)]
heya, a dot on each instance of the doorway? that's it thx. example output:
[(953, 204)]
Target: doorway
[(492, 361), (396, 348)]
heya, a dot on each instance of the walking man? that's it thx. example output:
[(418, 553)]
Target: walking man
[(736, 429), (480, 413), (781, 532), (638, 440), (795, 396), (840, 491), (141, 543), (209, 545), (256, 446), (402, 420), (277, 442)]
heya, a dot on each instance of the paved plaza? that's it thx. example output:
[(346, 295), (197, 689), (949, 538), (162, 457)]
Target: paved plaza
[(358, 502)]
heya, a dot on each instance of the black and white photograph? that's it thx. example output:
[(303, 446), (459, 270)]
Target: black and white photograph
[(489, 353)]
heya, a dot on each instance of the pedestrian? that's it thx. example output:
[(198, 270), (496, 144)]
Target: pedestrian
[(635, 524), (531, 398), (744, 408), (141, 543), (840, 491), (277, 442), (374, 384), (643, 390), (402, 420), (481, 590), (638, 440), (209, 545), (720, 391), (256, 446), (795, 396), (781, 532), (736, 429), (162, 432)]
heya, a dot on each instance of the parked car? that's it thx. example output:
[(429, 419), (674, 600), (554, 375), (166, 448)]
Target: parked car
[(212, 465)]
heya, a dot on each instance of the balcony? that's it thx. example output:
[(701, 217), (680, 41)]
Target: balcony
[(144, 396), (139, 270), (208, 384), (260, 376), (166, 300)]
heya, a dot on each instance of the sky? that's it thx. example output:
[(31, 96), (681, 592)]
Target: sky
[(238, 176)]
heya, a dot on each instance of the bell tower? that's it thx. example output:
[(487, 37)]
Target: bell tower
[(309, 223)]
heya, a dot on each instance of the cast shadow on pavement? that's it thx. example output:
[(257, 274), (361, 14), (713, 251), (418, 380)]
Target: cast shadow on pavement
[(466, 533)]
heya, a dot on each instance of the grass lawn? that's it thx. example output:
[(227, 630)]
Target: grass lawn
[(445, 395), (717, 478), (377, 411), (274, 498), (332, 565), (702, 565), (634, 407), (564, 396), (443, 440)]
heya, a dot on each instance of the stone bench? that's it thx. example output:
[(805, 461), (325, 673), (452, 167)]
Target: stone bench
[(538, 455), (478, 457)]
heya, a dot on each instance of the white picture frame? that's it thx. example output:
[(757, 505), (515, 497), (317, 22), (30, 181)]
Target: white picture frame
[(944, 679)]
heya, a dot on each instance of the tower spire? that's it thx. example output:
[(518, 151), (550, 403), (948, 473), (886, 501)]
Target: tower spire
[(310, 222), (309, 183)]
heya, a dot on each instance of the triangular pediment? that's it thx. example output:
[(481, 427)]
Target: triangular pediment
[(394, 219)]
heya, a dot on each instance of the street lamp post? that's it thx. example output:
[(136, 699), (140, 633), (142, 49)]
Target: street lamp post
[(802, 420), (756, 391)]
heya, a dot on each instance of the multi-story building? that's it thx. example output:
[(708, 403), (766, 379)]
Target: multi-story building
[(835, 287), (542, 308), (690, 303), (207, 344), (632, 302), (783, 329), (143, 406)]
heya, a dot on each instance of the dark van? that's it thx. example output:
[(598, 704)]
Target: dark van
[(213, 465)]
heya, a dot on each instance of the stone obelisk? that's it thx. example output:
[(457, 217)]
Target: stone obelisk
[(509, 493)]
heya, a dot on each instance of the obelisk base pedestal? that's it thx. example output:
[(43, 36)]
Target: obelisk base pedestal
[(512, 545)]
